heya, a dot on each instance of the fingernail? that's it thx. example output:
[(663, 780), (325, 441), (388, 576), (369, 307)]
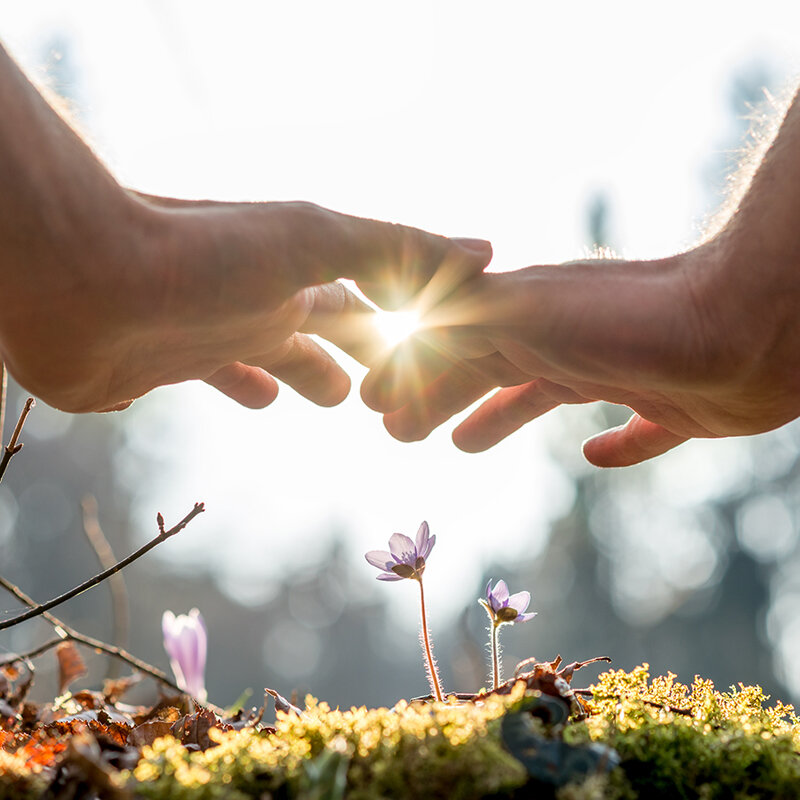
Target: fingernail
[(478, 246)]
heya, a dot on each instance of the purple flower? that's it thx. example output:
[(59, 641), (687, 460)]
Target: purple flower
[(186, 643), (405, 558), (502, 607)]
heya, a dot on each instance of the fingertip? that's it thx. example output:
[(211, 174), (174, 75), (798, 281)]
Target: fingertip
[(464, 445), (336, 393), (251, 387), (479, 249), (598, 453), (636, 441), (116, 407), (400, 429), (378, 393)]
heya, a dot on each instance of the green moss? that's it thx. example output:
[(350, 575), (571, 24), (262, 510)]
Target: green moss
[(692, 741), (675, 741), (416, 750)]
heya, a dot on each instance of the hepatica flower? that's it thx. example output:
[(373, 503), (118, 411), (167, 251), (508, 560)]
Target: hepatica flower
[(404, 558), (503, 608), (407, 559), (186, 643)]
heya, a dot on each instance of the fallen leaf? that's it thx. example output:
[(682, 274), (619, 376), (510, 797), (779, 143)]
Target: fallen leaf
[(70, 665)]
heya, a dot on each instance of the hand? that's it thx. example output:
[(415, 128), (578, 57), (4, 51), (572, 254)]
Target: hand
[(227, 293), (703, 344), (108, 294), (671, 339)]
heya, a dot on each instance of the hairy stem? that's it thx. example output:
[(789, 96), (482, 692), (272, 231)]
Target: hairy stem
[(100, 577), (433, 673), (496, 665)]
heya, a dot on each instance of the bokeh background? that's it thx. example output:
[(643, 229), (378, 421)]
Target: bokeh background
[(547, 128)]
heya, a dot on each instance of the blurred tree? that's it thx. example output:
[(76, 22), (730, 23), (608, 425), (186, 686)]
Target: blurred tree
[(599, 222)]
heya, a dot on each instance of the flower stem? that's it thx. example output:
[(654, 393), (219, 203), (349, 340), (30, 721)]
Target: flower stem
[(433, 675), (495, 656)]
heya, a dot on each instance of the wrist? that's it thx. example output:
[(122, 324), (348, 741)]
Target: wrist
[(748, 290)]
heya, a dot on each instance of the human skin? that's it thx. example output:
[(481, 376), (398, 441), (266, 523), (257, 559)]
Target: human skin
[(107, 293), (705, 343)]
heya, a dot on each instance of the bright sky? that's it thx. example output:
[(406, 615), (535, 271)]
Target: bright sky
[(497, 120)]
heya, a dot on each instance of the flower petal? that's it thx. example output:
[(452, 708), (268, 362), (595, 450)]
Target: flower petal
[(423, 535), (500, 594), (382, 559), (519, 601), (388, 576), (186, 643), (525, 617), (428, 547), (402, 549)]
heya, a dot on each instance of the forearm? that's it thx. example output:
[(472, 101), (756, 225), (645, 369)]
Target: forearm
[(57, 201), (753, 264), (74, 257)]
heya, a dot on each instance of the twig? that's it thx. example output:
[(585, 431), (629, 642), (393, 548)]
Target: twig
[(68, 633), (12, 448), (3, 393), (116, 583), (100, 577), (686, 712)]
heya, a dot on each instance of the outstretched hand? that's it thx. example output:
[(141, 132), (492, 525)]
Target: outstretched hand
[(226, 293), (702, 344), (669, 339), (108, 293)]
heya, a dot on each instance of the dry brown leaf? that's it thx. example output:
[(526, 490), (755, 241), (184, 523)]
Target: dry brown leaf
[(70, 665), (148, 732)]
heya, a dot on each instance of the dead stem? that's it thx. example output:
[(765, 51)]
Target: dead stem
[(3, 394), (116, 583), (13, 447)]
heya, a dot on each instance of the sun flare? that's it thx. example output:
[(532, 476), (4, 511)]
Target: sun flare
[(395, 326)]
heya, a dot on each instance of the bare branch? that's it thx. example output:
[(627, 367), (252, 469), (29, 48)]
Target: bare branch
[(67, 633), (116, 583), (12, 448), (99, 578), (10, 658), (3, 394)]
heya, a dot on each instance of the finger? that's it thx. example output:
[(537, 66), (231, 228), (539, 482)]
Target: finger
[(308, 369), (247, 385), (339, 316), (450, 393), (116, 407), (635, 441), (503, 414), (391, 263)]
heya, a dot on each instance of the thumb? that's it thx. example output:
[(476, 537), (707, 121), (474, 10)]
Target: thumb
[(390, 262), (635, 441)]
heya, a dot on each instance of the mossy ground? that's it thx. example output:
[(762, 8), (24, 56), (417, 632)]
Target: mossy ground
[(674, 741)]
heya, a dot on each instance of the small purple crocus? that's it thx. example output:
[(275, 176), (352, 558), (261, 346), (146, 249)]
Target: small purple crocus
[(503, 609), (405, 558), (186, 643)]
